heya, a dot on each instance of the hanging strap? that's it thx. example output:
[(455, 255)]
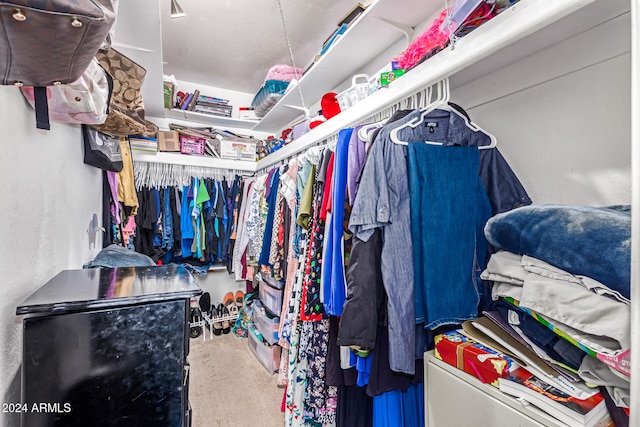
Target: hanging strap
[(42, 107)]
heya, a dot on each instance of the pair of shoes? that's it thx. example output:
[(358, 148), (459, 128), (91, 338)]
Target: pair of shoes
[(217, 322), (196, 330), (229, 309), (233, 303), (230, 304), (239, 298), (205, 303)]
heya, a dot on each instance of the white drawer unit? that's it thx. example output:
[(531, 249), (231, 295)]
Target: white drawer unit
[(454, 398)]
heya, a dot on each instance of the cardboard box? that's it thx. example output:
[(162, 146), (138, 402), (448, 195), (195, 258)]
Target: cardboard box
[(168, 141), (473, 358), (237, 150)]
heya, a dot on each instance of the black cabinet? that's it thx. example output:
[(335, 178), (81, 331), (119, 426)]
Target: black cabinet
[(108, 347)]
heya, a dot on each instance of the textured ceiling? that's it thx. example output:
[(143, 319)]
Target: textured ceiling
[(233, 43)]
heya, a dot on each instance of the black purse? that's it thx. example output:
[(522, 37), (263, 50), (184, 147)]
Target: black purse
[(50, 42), (101, 150)]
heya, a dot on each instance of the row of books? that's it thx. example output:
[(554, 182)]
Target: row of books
[(490, 349), (197, 102)]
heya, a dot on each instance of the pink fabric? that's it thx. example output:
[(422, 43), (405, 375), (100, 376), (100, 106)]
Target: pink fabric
[(434, 37), (284, 73), (128, 230)]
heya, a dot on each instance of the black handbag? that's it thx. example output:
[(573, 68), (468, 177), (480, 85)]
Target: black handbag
[(101, 150), (50, 42)]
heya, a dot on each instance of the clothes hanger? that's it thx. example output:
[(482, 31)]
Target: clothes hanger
[(442, 103), (442, 88), (366, 131)]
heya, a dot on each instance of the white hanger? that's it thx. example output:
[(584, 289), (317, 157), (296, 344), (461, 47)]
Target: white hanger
[(442, 88), (441, 103), (366, 131)]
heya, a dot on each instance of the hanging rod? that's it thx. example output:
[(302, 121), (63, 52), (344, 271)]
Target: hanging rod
[(376, 107), (158, 175)]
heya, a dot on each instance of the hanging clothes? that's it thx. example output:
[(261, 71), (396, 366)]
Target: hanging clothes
[(449, 209), (383, 202), (334, 265)]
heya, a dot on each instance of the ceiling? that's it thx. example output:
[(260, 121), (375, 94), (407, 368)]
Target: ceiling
[(232, 43)]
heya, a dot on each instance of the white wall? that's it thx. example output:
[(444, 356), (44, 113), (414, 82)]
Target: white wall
[(562, 120), (48, 197), (218, 283)]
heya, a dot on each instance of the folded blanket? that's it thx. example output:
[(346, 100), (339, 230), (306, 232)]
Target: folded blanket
[(284, 73), (582, 240)]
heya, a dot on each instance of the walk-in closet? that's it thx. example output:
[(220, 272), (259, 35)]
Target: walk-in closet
[(400, 213)]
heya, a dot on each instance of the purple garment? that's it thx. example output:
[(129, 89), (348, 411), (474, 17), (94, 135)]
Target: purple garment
[(112, 177), (355, 163)]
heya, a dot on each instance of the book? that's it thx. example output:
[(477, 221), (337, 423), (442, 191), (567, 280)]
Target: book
[(566, 371), (206, 98), (214, 107), (194, 99), (333, 38), (531, 360), (185, 104), (619, 361), (141, 143), (213, 113), (566, 408), (168, 94), (352, 14), (180, 98)]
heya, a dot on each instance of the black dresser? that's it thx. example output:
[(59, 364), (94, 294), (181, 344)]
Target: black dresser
[(107, 347)]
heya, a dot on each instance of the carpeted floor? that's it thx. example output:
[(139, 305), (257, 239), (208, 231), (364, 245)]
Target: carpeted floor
[(229, 387)]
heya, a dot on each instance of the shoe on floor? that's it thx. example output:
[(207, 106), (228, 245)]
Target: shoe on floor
[(239, 298), (217, 323)]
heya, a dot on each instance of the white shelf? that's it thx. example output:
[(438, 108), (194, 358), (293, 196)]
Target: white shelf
[(207, 119), (532, 26), (360, 44), (192, 160)]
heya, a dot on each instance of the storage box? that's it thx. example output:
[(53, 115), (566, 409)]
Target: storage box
[(192, 145), (473, 358), (266, 324), (267, 355), (388, 76), (270, 298), (168, 141), (247, 113), (237, 150)]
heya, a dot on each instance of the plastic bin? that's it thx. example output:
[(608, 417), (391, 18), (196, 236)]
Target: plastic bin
[(358, 91), (268, 96), (267, 355), (270, 298), (191, 145), (266, 324)]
